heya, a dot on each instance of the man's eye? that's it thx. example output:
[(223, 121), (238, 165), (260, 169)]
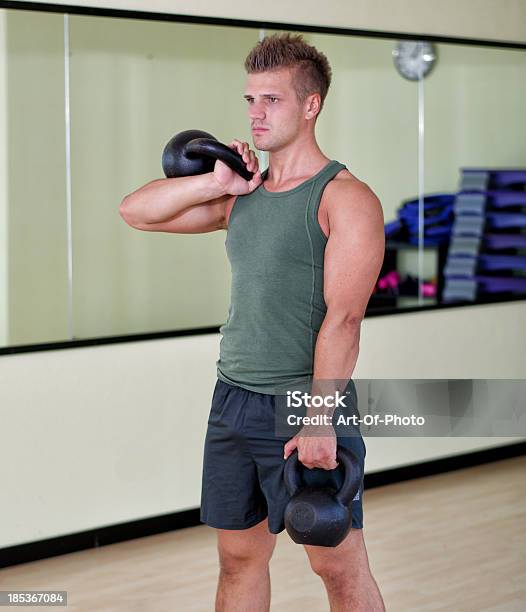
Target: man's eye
[(273, 99)]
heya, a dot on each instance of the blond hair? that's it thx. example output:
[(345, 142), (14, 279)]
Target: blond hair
[(311, 71)]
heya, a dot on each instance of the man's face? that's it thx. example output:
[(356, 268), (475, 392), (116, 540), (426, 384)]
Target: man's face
[(274, 108)]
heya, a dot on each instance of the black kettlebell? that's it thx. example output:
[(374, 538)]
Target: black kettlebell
[(195, 152), (320, 516)]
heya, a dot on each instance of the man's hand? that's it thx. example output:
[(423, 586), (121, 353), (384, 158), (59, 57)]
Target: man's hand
[(316, 447), (231, 181)]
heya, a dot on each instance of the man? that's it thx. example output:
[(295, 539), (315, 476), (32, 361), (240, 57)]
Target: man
[(306, 242)]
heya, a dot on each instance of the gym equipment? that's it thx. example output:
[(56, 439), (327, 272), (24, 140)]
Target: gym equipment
[(505, 241), (505, 199), (438, 220), (320, 516), (467, 265), (437, 208), (470, 288), (407, 286), (195, 152), (506, 220), (485, 202), (484, 178), (487, 237), (486, 215), (389, 281)]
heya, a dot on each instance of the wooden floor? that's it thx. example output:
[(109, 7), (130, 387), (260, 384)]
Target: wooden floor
[(453, 542)]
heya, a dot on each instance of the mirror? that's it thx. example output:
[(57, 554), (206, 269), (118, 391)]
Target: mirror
[(91, 101)]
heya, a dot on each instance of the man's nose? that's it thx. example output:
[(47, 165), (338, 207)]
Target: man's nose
[(256, 111)]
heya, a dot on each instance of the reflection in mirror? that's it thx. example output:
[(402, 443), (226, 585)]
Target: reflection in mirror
[(135, 83), (370, 124), (34, 277), (474, 202)]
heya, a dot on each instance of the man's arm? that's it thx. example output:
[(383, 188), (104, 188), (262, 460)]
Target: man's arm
[(184, 205), (190, 204), (353, 258)]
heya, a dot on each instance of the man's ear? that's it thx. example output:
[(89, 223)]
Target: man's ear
[(313, 106)]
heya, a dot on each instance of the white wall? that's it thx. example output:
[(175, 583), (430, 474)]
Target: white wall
[(502, 20), (100, 435), (4, 263)]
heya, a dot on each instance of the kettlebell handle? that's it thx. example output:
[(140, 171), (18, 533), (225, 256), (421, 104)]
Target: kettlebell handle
[(351, 482), (353, 476), (209, 147), (291, 474)]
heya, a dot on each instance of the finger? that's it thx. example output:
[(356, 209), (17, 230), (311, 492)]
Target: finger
[(327, 465), (237, 145), (306, 459), (246, 155), (289, 447), (253, 161), (250, 163), (256, 180)]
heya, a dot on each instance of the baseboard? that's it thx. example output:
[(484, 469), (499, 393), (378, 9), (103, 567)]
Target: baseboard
[(444, 464)]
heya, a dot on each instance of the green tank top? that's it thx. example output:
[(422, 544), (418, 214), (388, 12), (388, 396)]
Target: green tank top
[(275, 246)]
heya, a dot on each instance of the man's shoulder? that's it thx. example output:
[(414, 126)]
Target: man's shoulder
[(350, 204), (346, 188)]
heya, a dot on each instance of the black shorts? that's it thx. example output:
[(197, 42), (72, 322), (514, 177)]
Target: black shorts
[(243, 463)]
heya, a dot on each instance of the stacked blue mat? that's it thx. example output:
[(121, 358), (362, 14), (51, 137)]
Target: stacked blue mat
[(487, 248), (484, 225), (438, 220)]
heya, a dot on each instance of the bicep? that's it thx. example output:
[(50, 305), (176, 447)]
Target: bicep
[(354, 252)]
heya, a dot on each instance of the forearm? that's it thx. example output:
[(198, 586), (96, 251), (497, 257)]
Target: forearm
[(335, 357), (163, 199)]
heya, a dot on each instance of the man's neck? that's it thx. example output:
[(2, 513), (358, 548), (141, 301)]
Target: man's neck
[(286, 166)]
